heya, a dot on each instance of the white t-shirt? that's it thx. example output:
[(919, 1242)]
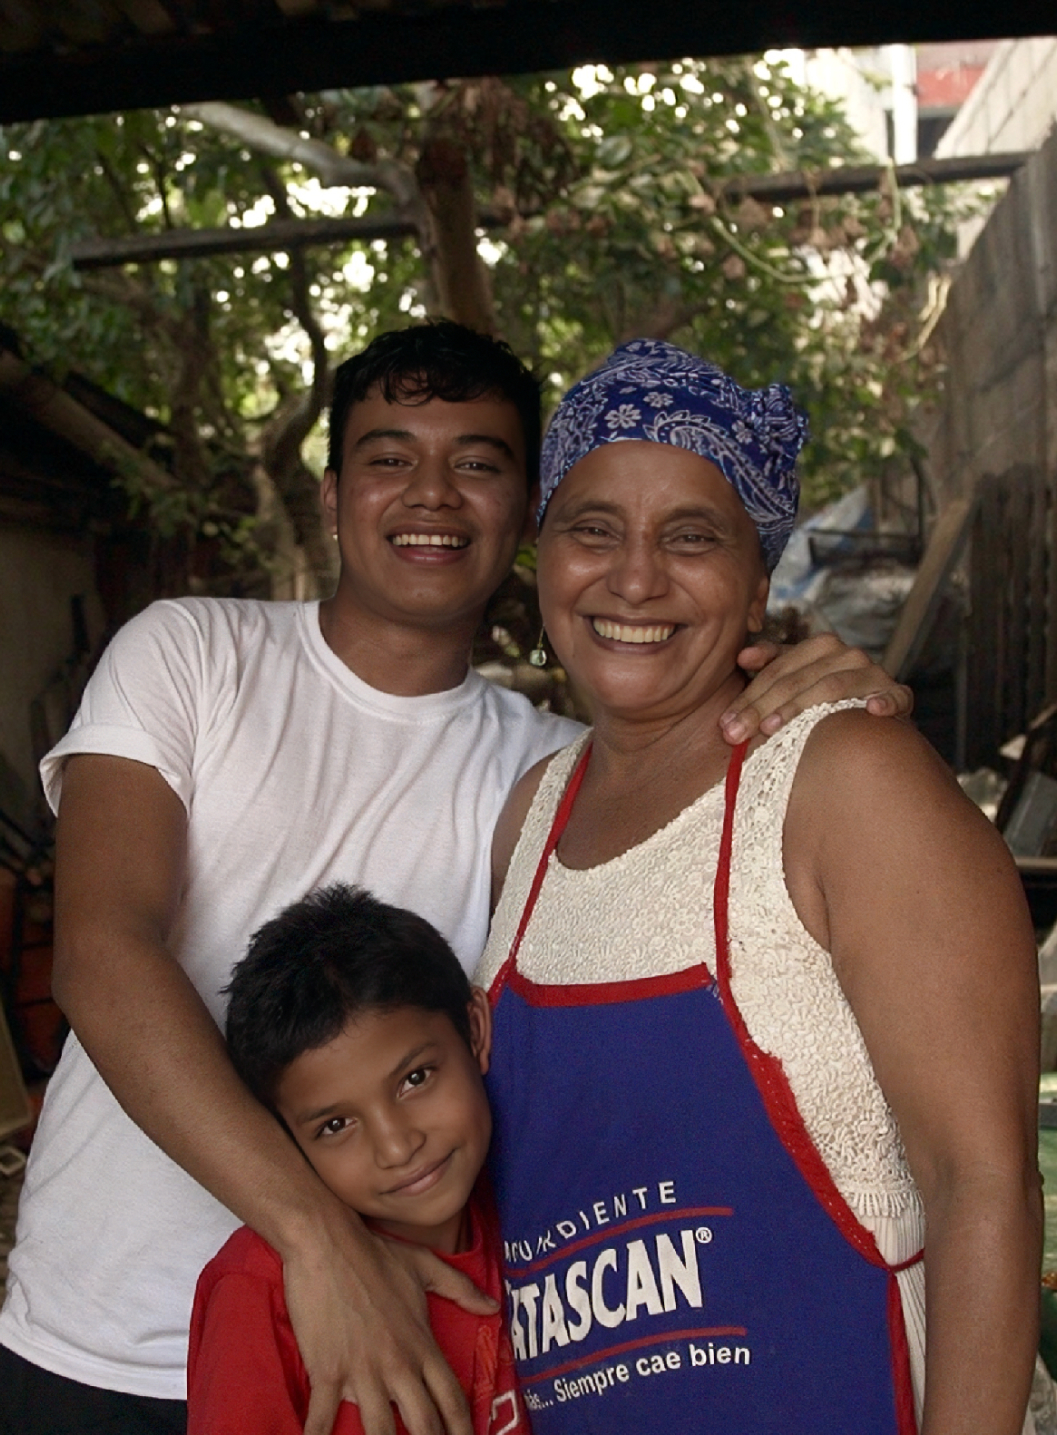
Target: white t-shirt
[(294, 773)]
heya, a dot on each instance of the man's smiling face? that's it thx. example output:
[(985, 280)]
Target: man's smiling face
[(428, 508)]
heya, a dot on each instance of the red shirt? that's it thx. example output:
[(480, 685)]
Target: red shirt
[(245, 1375)]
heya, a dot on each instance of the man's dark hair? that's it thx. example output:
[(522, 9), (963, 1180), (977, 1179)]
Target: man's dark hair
[(333, 955), (440, 360)]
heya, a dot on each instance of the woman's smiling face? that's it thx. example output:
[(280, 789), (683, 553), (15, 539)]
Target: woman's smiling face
[(650, 576)]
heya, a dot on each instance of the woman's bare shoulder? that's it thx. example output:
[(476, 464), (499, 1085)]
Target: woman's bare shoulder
[(873, 807), (850, 754)]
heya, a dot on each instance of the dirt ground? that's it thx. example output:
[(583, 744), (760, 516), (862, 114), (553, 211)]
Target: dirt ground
[(10, 1187)]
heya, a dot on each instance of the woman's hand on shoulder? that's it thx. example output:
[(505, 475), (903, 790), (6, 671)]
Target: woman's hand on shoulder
[(791, 679), (511, 821)]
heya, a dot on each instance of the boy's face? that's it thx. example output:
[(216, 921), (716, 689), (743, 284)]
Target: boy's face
[(429, 507), (393, 1116)]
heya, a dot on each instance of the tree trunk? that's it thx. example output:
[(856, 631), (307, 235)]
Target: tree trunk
[(286, 562), (460, 279)]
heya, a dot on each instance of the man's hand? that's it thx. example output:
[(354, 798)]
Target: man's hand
[(789, 680), (362, 1327)]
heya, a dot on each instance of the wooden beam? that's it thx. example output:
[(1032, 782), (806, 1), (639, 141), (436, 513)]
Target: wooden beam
[(55, 410), (399, 44), (280, 234), (923, 601), (864, 178), (284, 234)]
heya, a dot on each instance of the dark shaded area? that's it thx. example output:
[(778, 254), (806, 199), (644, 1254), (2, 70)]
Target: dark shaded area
[(51, 66)]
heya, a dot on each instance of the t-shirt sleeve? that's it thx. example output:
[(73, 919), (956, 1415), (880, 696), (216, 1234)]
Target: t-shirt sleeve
[(142, 702), (243, 1372)]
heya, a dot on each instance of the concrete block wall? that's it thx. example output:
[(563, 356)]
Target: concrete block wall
[(999, 337), (996, 434), (1013, 105)]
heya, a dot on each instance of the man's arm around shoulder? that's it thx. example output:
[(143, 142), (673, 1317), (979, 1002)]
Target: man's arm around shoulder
[(356, 1305)]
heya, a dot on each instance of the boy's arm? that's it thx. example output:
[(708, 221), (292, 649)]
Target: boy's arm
[(789, 680), (356, 1304)]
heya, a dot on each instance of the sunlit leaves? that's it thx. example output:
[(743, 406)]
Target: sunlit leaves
[(610, 183)]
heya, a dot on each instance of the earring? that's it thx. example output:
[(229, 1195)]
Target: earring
[(538, 655)]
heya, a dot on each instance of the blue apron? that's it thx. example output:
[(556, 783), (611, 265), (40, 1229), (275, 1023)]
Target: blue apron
[(677, 1258)]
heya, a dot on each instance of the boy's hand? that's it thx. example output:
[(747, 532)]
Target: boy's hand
[(359, 1316), (789, 680)]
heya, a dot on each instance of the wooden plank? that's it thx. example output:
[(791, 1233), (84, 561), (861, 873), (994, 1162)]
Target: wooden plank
[(276, 237), (1000, 633), (865, 178), (243, 56), (1015, 711), (978, 645), (1037, 866), (283, 234), (1035, 676), (922, 604), (1051, 596)]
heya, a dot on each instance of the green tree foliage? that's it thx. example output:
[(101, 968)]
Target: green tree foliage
[(826, 295), (608, 220)]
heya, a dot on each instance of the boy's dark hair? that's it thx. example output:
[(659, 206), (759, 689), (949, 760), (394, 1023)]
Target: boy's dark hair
[(336, 953), (439, 360)]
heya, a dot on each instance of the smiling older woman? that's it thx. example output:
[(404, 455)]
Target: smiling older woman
[(761, 1021)]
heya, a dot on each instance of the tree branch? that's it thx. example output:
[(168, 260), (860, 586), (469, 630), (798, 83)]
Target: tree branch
[(266, 137), (194, 348), (282, 438), (117, 190), (158, 171), (460, 278), (63, 415)]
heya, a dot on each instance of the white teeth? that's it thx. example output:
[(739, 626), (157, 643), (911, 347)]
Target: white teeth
[(627, 633), (428, 540)]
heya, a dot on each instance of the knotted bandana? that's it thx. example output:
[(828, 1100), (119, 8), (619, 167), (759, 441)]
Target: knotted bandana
[(652, 391)]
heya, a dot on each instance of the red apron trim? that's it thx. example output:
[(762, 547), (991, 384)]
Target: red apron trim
[(780, 1103), (561, 817), (902, 1384), (606, 993)]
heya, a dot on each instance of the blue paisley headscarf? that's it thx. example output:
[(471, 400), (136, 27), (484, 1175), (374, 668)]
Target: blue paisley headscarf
[(651, 390)]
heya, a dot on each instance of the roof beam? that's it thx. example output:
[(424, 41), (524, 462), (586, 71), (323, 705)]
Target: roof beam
[(40, 397), (386, 46), (864, 178), (285, 234)]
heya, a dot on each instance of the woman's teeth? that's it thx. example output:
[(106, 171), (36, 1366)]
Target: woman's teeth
[(429, 540), (626, 633)]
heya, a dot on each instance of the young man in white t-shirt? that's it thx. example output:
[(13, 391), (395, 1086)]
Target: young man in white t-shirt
[(228, 756)]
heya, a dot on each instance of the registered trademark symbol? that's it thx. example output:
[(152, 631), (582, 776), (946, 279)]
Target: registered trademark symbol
[(704, 1235)]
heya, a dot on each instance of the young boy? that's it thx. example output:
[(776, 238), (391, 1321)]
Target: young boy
[(354, 1023)]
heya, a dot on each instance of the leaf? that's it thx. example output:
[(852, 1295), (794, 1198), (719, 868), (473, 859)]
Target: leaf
[(614, 151)]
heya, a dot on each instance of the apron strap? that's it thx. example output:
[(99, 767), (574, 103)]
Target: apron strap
[(784, 1114), (767, 1071), (561, 818)]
